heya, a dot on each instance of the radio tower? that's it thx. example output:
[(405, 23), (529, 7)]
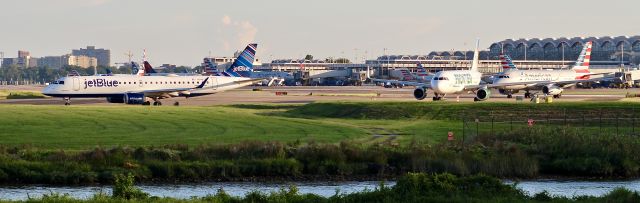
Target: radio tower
[(130, 55)]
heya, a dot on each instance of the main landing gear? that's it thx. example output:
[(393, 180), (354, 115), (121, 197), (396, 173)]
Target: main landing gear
[(527, 95), (509, 96), (67, 101), (157, 102), (437, 97)]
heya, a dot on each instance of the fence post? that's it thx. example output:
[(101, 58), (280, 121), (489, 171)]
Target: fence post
[(492, 124), (511, 123), (600, 116), (617, 132)]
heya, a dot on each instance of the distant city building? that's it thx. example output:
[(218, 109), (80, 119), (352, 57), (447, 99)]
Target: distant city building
[(22, 54), (81, 61), (32, 62), (102, 55), (9, 62), (55, 62)]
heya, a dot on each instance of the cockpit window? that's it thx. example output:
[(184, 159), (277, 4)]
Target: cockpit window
[(61, 82)]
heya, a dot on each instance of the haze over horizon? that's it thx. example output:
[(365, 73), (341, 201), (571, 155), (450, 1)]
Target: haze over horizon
[(183, 32)]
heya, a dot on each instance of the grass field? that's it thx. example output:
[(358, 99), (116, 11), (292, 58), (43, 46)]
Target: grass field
[(20, 94), (90, 126), (82, 127)]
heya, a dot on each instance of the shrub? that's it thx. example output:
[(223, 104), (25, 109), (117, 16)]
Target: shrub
[(124, 188)]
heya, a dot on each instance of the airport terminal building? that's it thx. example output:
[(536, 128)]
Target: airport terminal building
[(609, 54)]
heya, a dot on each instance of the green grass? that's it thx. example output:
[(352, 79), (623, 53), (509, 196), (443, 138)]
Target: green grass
[(5, 94), (90, 126), (83, 127)]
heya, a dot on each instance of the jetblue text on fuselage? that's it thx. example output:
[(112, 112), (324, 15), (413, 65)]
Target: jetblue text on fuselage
[(100, 83), (241, 69)]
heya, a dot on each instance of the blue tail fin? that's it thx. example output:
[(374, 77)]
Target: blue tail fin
[(243, 65), (134, 68)]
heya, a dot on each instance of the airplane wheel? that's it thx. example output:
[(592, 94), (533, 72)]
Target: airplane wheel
[(67, 104), (159, 103), (475, 99), (176, 104), (435, 99), (509, 96), (155, 103), (527, 95), (146, 103)]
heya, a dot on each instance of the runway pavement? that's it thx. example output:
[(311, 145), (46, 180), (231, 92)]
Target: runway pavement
[(308, 94)]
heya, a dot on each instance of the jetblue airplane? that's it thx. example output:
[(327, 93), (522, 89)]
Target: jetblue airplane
[(244, 68), (142, 89)]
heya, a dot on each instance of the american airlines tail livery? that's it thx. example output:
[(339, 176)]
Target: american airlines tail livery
[(144, 89)]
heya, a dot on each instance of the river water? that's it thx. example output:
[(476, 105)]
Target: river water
[(326, 189)]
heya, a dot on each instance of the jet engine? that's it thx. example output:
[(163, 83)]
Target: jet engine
[(482, 94), (134, 98), (420, 93), (552, 90)]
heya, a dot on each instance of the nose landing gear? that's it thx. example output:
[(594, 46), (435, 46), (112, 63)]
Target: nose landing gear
[(67, 101)]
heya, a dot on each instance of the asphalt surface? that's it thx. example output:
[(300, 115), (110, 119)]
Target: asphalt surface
[(308, 94)]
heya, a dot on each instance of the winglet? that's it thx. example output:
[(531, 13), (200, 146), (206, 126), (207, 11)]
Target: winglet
[(203, 83)]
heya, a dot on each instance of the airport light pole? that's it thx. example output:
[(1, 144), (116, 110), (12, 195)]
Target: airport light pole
[(525, 51), (562, 44)]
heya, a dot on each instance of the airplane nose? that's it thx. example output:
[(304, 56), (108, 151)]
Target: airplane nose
[(47, 90)]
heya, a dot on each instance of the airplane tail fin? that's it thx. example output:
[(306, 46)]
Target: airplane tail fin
[(148, 68), (582, 64), (135, 69), (406, 75), (210, 68), (476, 57), (243, 65), (507, 63), (422, 72)]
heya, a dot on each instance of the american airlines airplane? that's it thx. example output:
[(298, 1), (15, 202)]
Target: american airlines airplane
[(551, 82), (142, 89)]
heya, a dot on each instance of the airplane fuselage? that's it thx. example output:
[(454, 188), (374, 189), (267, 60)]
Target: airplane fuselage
[(513, 76), (454, 82), (118, 85)]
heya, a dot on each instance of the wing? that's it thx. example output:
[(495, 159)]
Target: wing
[(404, 83), (168, 92), (535, 83)]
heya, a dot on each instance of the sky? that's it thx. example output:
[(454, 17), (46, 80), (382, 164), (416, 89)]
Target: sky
[(183, 32)]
